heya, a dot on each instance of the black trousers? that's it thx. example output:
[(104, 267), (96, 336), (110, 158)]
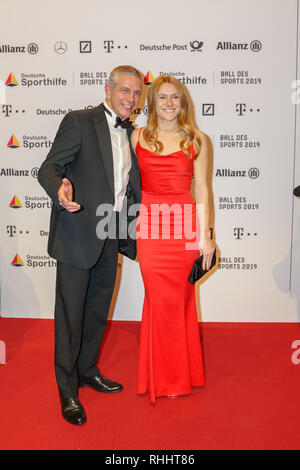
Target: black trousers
[(83, 299)]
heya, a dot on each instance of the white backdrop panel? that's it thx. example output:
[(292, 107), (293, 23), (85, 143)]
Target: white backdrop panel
[(238, 60)]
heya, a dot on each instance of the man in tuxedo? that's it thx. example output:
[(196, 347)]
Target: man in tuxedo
[(90, 166)]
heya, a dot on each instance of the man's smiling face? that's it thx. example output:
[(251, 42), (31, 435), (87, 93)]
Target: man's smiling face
[(124, 97)]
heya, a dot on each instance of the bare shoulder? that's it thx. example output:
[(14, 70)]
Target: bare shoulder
[(134, 136), (204, 139), (205, 152), (135, 133)]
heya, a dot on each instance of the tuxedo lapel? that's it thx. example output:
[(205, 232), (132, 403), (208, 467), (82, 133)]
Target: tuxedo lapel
[(134, 172), (104, 141)]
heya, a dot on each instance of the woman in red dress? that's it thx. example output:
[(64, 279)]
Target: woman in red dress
[(172, 230)]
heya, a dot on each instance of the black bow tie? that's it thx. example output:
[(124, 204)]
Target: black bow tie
[(123, 123)]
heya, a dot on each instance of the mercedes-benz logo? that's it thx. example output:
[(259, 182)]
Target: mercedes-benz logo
[(60, 47)]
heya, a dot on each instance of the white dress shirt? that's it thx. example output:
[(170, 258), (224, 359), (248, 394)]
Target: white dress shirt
[(121, 158)]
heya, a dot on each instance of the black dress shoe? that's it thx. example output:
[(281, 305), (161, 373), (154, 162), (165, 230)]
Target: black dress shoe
[(101, 384), (72, 410)]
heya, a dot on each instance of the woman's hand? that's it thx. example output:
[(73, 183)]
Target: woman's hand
[(206, 248)]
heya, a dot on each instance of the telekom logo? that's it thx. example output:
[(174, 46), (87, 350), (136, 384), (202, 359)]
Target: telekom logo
[(2, 352)]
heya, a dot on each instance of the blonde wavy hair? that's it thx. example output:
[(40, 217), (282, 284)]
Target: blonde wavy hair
[(185, 122)]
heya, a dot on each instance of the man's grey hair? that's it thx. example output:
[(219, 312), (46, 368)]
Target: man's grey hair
[(125, 70)]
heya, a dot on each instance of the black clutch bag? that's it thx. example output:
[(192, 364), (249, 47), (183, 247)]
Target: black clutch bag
[(296, 191), (197, 270)]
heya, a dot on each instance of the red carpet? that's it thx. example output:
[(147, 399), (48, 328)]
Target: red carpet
[(251, 399)]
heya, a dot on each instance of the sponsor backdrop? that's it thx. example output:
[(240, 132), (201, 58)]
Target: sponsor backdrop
[(238, 60)]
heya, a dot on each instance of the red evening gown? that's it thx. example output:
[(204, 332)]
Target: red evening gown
[(170, 357)]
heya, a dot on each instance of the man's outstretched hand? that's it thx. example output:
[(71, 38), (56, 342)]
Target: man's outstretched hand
[(65, 196)]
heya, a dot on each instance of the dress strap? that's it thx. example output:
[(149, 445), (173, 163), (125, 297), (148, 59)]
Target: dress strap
[(139, 135), (138, 141), (191, 150)]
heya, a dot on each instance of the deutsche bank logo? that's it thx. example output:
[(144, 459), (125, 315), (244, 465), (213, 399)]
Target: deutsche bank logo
[(208, 109), (85, 47)]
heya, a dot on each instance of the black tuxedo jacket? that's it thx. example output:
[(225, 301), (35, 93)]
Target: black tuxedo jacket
[(82, 152)]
